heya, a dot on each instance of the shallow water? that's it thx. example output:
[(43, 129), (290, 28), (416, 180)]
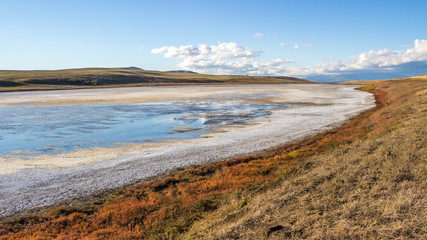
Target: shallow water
[(32, 130)]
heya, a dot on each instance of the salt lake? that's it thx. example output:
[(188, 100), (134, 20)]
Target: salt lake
[(33, 130)]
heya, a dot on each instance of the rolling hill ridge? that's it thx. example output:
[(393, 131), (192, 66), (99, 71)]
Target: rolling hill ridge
[(11, 80)]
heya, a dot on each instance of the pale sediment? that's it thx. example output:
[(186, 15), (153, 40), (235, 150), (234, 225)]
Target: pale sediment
[(42, 186)]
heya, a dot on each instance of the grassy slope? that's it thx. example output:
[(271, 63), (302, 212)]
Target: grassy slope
[(366, 179), (117, 77), (372, 187)]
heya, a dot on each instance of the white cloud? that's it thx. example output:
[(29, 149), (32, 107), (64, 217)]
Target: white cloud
[(380, 59), (294, 45), (231, 58), (218, 52), (384, 59), (258, 35), (223, 58)]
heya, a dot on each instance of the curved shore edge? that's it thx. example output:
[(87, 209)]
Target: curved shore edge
[(35, 188)]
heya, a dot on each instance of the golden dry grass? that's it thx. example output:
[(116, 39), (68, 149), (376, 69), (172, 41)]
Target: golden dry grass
[(372, 188)]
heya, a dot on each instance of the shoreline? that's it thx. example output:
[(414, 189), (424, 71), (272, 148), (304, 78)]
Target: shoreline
[(155, 94), (35, 188)]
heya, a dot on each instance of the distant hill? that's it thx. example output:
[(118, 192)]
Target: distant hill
[(11, 80), (134, 68), (183, 71)]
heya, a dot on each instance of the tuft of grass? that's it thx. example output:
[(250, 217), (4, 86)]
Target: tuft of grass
[(243, 202), (367, 88)]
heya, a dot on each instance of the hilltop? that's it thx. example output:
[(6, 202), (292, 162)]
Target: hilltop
[(11, 80)]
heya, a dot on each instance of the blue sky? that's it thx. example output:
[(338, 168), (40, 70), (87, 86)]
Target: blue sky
[(320, 40)]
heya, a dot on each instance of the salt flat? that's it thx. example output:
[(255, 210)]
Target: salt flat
[(55, 179)]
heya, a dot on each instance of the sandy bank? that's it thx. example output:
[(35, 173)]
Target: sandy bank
[(262, 92), (38, 185)]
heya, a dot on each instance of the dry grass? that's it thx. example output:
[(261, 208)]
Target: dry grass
[(371, 188), (366, 179)]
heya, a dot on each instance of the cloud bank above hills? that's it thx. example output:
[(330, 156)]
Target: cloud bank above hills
[(231, 58), (223, 58)]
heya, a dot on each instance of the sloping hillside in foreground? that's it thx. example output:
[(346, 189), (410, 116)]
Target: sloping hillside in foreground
[(364, 180)]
